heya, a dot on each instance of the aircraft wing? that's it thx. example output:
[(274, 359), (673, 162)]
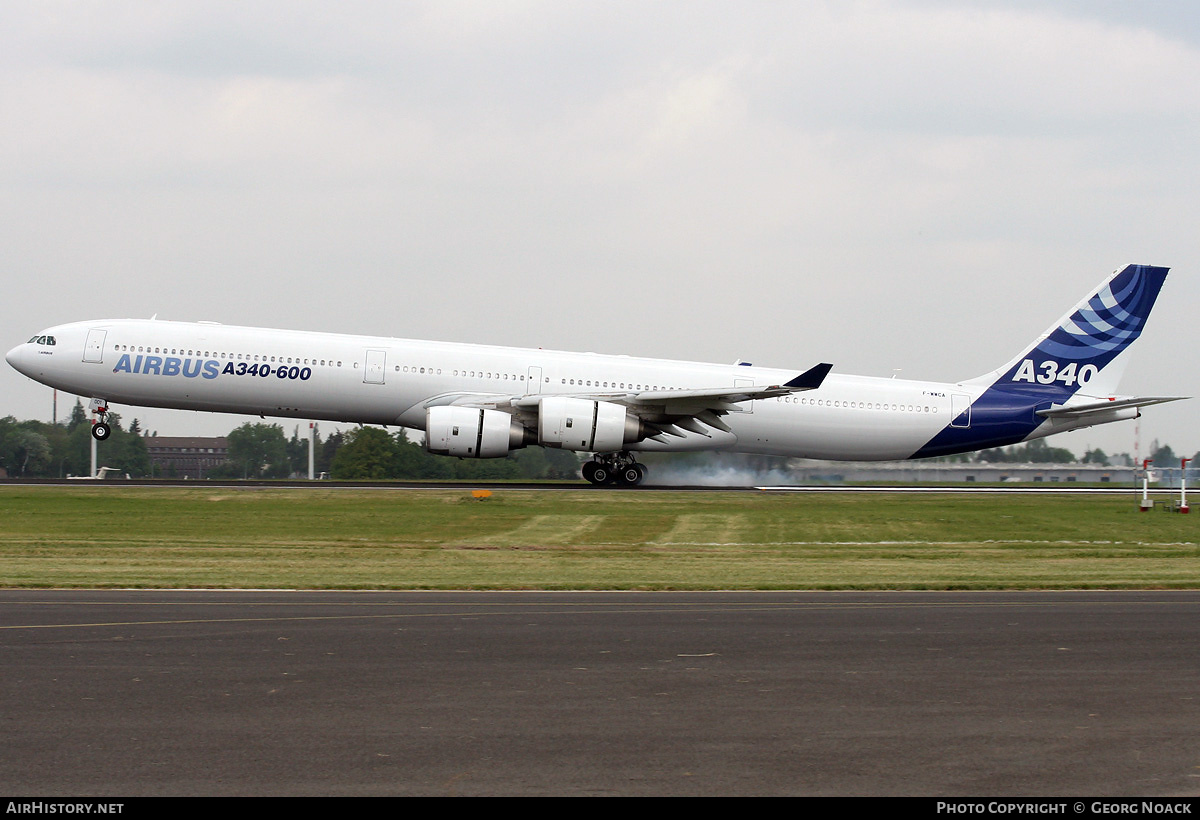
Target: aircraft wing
[(810, 379), (1075, 411), (661, 410)]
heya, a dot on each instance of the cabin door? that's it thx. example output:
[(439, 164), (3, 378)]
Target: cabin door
[(376, 364), (960, 410), (93, 349)]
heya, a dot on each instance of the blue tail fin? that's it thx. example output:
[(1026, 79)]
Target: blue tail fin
[(1081, 354), (1077, 353)]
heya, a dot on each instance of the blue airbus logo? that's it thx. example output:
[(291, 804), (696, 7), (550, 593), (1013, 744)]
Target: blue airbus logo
[(1079, 347), (1110, 321), (168, 366), (205, 368)]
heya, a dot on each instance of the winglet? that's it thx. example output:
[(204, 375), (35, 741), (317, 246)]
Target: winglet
[(810, 379)]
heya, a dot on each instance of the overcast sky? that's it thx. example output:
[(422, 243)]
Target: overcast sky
[(920, 186)]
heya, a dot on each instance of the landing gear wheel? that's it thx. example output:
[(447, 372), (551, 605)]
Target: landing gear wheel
[(614, 468), (633, 475), (101, 431)]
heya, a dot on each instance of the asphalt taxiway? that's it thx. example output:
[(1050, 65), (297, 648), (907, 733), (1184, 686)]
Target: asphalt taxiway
[(726, 693)]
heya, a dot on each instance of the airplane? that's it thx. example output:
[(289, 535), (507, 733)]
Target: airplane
[(476, 401), (101, 475)]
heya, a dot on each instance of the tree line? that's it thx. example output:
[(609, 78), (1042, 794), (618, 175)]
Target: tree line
[(39, 449), (1040, 451), (258, 450)]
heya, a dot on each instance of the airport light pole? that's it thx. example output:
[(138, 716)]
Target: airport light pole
[(312, 432), (1183, 505)]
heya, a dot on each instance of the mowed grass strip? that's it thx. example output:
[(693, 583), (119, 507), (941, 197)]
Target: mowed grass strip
[(115, 536)]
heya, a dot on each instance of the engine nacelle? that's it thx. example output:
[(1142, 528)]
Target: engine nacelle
[(584, 424), (471, 432)]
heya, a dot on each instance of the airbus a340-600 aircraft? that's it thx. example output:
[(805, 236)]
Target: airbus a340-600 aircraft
[(475, 401)]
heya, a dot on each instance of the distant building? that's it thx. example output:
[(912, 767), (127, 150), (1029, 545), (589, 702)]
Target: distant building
[(941, 472), (186, 456)]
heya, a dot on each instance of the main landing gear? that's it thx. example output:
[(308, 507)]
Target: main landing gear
[(100, 430), (614, 468)]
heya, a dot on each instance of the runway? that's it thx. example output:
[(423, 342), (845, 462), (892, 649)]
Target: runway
[(421, 693)]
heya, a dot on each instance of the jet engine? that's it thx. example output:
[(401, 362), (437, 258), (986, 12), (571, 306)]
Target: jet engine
[(584, 424), (472, 432)]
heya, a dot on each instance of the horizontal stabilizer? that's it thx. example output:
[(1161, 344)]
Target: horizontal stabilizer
[(1076, 411)]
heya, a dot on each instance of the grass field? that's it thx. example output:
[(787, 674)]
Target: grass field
[(521, 539)]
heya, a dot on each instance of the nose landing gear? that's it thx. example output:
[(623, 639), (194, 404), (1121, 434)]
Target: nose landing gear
[(100, 429), (614, 468)]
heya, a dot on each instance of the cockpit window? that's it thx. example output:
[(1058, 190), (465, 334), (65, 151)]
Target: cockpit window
[(42, 340)]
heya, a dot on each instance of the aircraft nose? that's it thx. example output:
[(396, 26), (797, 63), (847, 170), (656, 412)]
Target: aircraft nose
[(15, 356)]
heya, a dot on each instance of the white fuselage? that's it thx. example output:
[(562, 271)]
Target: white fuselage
[(374, 380)]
